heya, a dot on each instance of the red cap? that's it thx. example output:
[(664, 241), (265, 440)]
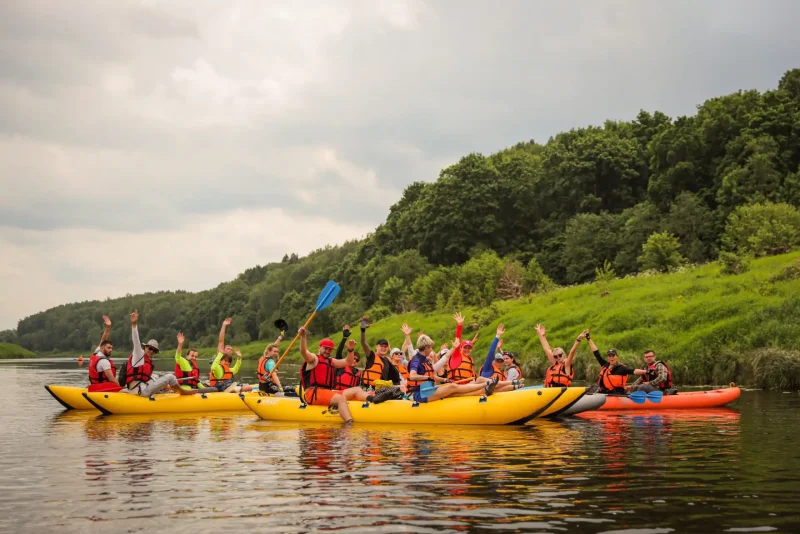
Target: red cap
[(326, 343), (467, 344)]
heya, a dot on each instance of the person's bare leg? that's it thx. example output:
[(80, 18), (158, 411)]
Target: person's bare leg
[(340, 401), (355, 393)]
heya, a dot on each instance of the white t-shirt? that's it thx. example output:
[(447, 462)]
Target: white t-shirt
[(512, 374), (103, 365)]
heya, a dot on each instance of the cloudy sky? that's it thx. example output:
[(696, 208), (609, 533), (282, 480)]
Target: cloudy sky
[(149, 145)]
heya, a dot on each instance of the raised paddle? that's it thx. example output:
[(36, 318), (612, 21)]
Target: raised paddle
[(639, 397), (325, 299)]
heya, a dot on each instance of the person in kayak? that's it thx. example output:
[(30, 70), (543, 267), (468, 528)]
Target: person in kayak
[(222, 374), (493, 367), (512, 370), (613, 375), (396, 357), (420, 371), (268, 380), (560, 373), (657, 377), (377, 365), (139, 368), (349, 376), (186, 370), (318, 378), (102, 371)]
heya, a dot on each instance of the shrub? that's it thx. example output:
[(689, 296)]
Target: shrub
[(776, 368), (733, 263), (762, 229), (792, 272), (661, 252), (606, 274), (535, 279)]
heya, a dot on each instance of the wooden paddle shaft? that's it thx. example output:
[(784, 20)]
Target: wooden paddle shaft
[(313, 314)]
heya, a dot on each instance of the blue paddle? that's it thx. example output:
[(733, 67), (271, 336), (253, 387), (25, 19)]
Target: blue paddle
[(639, 397), (324, 300), (428, 388)]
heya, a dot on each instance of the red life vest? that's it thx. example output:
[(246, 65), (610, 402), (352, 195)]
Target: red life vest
[(413, 385), (227, 375), (373, 373), (609, 382), (346, 378), (141, 373), (321, 376), (194, 374), (465, 370), (261, 370), (652, 373), (556, 377), (96, 377)]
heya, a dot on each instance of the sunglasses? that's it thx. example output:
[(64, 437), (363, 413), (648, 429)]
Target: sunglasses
[(558, 355)]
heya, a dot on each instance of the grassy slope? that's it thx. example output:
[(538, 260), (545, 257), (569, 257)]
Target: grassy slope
[(10, 350), (706, 325)]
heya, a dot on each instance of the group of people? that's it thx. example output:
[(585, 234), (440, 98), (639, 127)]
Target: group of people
[(415, 371)]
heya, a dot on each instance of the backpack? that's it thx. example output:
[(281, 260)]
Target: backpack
[(122, 373)]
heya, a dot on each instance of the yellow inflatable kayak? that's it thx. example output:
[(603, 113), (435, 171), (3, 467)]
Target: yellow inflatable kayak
[(70, 397), (126, 403), (508, 408)]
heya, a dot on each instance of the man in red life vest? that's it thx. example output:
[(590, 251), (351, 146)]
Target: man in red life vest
[(140, 367), (318, 378), (102, 371), (658, 375)]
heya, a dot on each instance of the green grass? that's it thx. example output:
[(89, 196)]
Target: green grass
[(711, 328), (10, 350)]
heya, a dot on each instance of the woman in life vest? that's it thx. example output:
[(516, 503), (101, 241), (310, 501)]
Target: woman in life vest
[(222, 374), (268, 381), (420, 371), (513, 371), (560, 373), (396, 357), (376, 365), (613, 375), (657, 377), (186, 370), (318, 378), (492, 367)]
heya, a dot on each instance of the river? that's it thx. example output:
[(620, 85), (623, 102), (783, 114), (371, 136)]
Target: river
[(724, 470)]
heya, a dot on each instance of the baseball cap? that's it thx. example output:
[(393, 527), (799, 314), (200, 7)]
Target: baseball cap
[(382, 342), (611, 352)]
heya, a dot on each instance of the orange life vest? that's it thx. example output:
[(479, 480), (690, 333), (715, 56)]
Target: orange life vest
[(194, 374), (498, 372), (556, 377), (413, 385), (227, 375), (465, 370), (261, 371), (373, 373), (611, 382), (96, 377), (141, 373), (403, 371)]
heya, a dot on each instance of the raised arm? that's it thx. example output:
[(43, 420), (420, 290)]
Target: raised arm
[(238, 364), (440, 363), (542, 332), (138, 351), (340, 348), (407, 339), (106, 329), (573, 351), (309, 357), (221, 342), (179, 350), (595, 350), (364, 345)]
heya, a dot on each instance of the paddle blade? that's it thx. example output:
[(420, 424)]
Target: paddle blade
[(638, 397), (655, 396), (426, 389), (329, 293)]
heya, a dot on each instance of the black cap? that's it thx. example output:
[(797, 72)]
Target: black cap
[(281, 325), (382, 342), (611, 351)]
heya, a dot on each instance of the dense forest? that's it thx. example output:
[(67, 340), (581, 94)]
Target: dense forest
[(595, 202)]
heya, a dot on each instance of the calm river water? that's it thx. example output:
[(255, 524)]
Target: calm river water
[(723, 470)]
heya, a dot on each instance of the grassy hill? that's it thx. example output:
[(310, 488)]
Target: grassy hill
[(10, 350)]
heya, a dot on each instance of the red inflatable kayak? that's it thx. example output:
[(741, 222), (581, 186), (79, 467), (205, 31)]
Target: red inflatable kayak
[(689, 400)]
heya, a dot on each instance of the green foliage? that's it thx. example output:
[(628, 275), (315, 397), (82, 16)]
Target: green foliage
[(661, 252), (762, 229), (733, 263), (535, 279), (776, 368), (10, 350)]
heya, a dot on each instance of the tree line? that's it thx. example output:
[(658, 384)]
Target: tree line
[(599, 201)]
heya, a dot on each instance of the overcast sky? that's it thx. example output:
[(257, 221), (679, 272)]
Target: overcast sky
[(149, 145)]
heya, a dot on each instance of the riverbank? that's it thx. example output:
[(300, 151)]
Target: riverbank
[(712, 328), (10, 351)]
